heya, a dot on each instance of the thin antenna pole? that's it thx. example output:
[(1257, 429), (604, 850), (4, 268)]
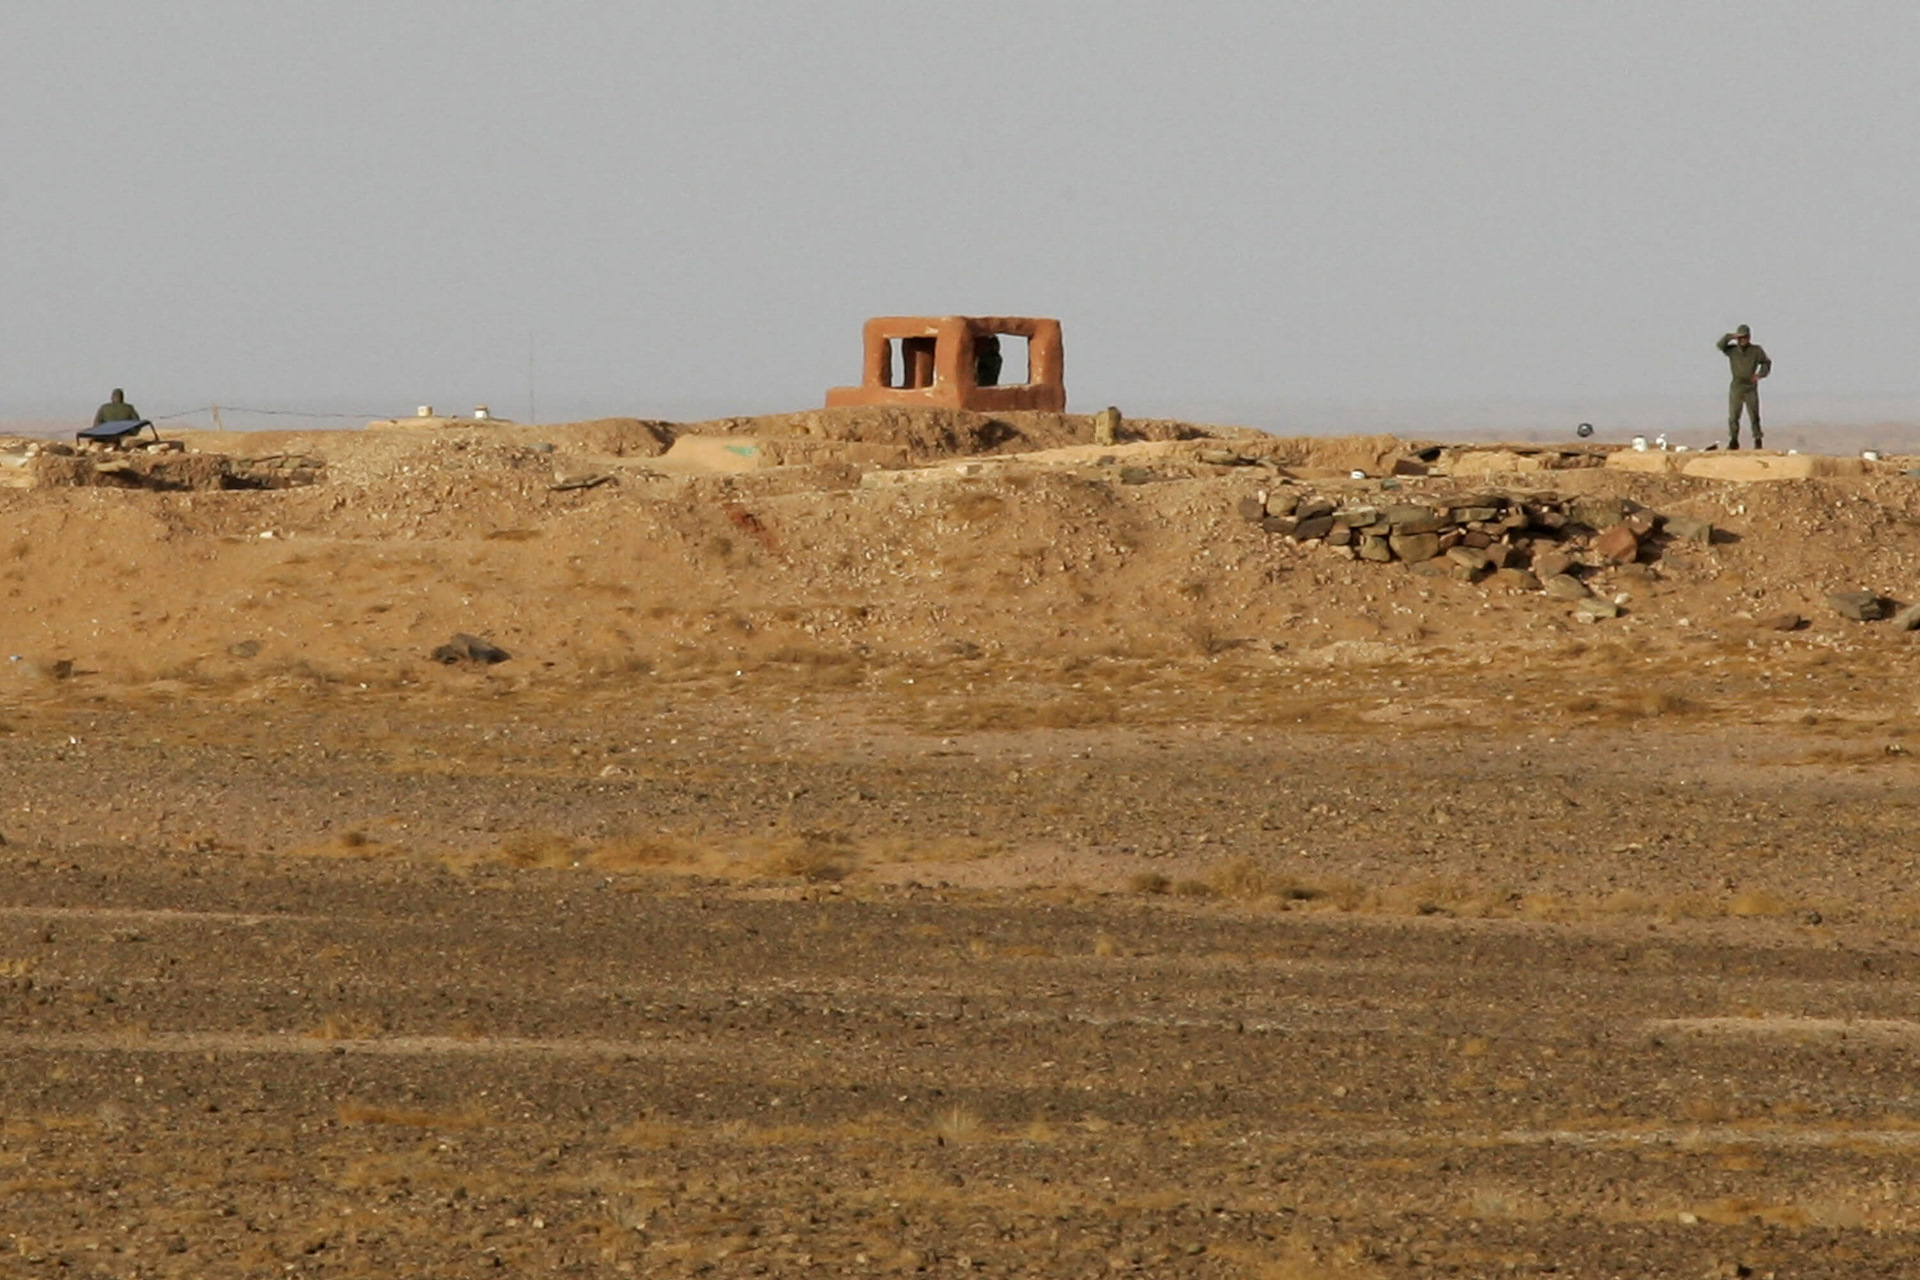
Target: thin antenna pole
[(533, 416)]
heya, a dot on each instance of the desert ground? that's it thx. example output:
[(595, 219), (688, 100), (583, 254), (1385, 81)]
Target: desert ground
[(910, 843)]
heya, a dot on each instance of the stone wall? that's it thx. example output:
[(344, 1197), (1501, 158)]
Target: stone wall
[(1526, 541)]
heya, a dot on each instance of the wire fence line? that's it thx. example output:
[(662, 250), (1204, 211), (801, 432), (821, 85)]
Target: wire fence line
[(210, 409)]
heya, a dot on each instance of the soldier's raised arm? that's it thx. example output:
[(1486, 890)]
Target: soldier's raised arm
[(1726, 340)]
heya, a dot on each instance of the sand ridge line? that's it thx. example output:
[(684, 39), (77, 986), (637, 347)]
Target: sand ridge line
[(286, 1042), (155, 914), (1788, 1025), (1685, 1135)]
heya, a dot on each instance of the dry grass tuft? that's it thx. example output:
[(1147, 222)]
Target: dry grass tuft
[(1297, 1260), (1736, 1211), (1671, 702), (1246, 880), (819, 856), (1239, 878), (644, 853), (28, 1186), (1854, 756), (957, 1124), (1758, 902), (617, 665), (897, 848), (409, 1117), (1206, 640), (806, 655), (649, 1135), (352, 843), (540, 849), (1150, 882), (812, 667), (814, 854), (1649, 704), (971, 508), (1069, 711), (346, 1026)]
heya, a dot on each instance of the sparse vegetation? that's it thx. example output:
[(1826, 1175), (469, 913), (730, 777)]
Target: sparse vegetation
[(967, 876)]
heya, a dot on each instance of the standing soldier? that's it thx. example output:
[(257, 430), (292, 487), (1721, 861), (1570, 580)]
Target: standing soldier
[(1750, 364)]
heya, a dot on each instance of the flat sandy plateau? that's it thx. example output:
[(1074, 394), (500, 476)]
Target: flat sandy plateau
[(1026, 865)]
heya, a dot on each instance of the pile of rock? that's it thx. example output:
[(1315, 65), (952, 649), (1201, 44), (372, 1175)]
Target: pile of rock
[(274, 471), (1871, 606), (1530, 542), (55, 464)]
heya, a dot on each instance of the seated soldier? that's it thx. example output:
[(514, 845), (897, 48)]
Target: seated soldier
[(116, 422), (116, 410)]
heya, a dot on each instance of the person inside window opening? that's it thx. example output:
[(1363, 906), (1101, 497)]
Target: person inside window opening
[(986, 360)]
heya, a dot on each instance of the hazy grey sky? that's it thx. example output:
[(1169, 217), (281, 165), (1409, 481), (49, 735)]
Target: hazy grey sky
[(693, 207)]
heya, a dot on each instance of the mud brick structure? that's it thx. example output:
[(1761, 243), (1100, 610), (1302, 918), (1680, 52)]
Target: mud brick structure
[(940, 365)]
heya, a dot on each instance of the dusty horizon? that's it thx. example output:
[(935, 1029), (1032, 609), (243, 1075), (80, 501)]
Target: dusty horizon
[(692, 211), (1843, 424)]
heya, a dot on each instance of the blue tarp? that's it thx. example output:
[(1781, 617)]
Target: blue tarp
[(113, 430)]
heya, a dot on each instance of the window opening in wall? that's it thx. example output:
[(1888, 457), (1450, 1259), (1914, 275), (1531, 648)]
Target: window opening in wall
[(909, 363), (1000, 360)]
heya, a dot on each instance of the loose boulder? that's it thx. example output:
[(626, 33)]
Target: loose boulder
[(1517, 580), (1861, 606), (1597, 512), (1688, 529), (1551, 564), (1311, 527), (1471, 559), (466, 648), (1415, 547), (1618, 544)]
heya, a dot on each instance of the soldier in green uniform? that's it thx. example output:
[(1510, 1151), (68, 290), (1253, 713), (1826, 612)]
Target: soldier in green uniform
[(1750, 364), (116, 410)]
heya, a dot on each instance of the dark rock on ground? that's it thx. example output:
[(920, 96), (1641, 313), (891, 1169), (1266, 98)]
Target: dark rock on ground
[(468, 648), (1415, 547), (1861, 606), (1618, 544)]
